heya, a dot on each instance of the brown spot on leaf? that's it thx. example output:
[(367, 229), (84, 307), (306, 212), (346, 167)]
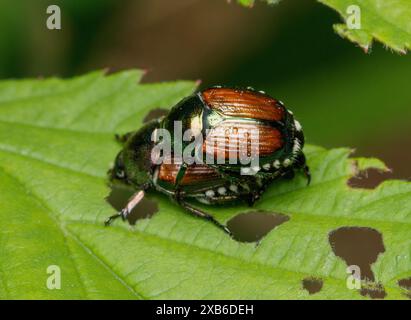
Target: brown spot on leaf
[(360, 246), (373, 290), (253, 226), (119, 197), (357, 246), (406, 284), (312, 284), (369, 179)]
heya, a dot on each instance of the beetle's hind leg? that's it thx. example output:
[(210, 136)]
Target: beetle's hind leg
[(194, 211), (123, 214), (199, 213)]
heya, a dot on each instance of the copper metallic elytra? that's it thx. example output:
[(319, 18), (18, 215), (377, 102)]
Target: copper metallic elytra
[(243, 104)]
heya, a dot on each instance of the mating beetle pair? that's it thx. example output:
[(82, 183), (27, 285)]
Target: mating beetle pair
[(216, 115)]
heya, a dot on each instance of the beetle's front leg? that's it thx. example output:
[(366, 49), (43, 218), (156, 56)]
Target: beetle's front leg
[(132, 203), (180, 175)]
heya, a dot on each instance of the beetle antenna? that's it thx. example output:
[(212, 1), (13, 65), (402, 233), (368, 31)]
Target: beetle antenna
[(132, 203)]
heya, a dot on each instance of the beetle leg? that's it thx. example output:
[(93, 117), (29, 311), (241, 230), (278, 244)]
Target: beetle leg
[(307, 174), (180, 174), (301, 162), (132, 203), (179, 178), (198, 213), (252, 198)]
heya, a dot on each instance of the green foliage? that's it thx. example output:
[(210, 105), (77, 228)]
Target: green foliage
[(386, 21), (56, 144)]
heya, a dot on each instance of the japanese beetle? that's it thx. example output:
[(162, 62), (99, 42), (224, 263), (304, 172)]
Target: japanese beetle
[(219, 120)]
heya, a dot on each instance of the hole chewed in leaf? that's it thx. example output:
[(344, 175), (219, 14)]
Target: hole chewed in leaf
[(357, 246), (312, 284), (360, 246), (369, 179), (119, 197), (253, 226), (155, 114), (406, 284), (373, 290)]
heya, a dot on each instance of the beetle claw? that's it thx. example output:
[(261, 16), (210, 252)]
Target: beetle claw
[(123, 214), (111, 219)]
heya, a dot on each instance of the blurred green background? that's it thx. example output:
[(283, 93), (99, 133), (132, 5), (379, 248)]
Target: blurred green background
[(342, 96)]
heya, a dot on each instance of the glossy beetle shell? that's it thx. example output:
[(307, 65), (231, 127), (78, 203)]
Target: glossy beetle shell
[(218, 114)]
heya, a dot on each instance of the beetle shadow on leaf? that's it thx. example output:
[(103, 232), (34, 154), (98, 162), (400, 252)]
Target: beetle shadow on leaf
[(118, 198)]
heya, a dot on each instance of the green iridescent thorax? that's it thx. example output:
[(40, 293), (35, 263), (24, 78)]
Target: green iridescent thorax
[(133, 163)]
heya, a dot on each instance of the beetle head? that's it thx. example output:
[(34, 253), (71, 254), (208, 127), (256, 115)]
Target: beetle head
[(133, 163)]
